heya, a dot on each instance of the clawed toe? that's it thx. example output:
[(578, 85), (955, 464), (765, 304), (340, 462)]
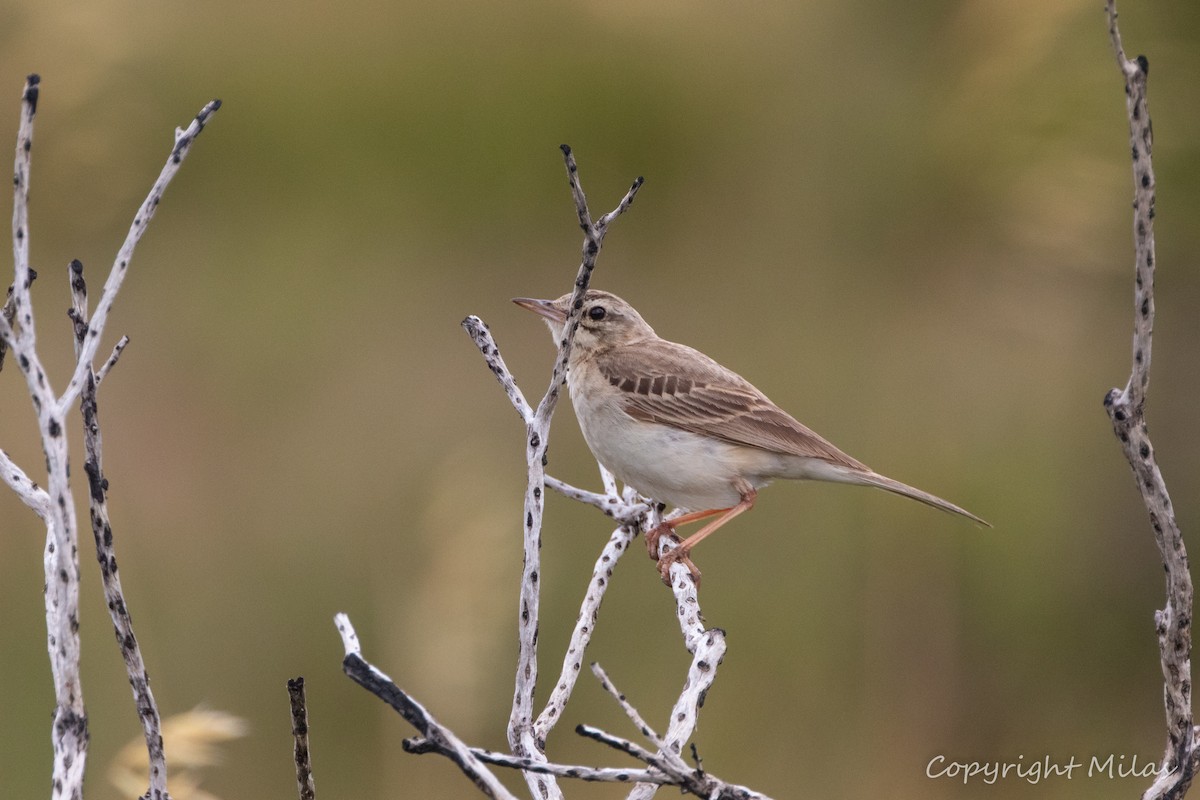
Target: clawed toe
[(652, 537), (679, 554)]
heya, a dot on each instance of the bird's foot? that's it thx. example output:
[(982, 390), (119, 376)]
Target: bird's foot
[(679, 554), (656, 533)]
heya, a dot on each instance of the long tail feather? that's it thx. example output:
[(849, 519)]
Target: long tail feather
[(883, 482)]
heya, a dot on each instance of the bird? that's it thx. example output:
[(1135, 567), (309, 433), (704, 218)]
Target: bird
[(682, 429)]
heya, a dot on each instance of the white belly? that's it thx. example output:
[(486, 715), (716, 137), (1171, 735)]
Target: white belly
[(663, 463)]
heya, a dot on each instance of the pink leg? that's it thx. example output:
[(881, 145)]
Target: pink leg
[(654, 535), (683, 552)]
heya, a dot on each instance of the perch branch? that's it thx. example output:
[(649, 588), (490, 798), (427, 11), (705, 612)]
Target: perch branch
[(522, 736), (1126, 410)]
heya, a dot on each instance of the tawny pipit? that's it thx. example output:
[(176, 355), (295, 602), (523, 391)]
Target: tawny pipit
[(682, 429)]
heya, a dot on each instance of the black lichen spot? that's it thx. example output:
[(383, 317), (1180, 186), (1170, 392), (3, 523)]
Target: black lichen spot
[(529, 519), (31, 91), (1143, 64), (1145, 181), (535, 441), (1146, 307), (1144, 450)]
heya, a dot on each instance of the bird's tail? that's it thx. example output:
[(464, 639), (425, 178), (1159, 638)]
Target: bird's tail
[(869, 478)]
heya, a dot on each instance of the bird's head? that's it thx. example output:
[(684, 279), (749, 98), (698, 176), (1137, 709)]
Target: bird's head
[(606, 320)]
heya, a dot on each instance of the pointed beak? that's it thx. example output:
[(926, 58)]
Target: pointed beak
[(543, 308)]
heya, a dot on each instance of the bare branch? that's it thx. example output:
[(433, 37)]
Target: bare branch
[(522, 738), (30, 493), (478, 330), (440, 737), (585, 626), (635, 717), (612, 504), (1126, 410), (183, 145), (591, 774), (690, 781), (118, 348), (60, 559), (56, 505), (304, 776)]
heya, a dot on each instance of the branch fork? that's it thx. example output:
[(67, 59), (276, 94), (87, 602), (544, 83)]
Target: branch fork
[(55, 504), (528, 731)]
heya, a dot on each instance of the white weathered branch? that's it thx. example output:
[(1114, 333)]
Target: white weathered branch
[(102, 533), (522, 737), (116, 276), (1126, 410), (55, 505), (585, 626), (527, 736), (690, 781), (441, 738)]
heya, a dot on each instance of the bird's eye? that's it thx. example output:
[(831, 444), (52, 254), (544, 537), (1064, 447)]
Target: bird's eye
[(597, 313)]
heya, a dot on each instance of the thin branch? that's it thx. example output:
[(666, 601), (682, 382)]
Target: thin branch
[(441, 738), (611, 503), (479, 332), (60, 560), (30, 493), (304, 776), (118, 348), (183, 145), (522, 737), (102, 533), (585, 626), (690, 781), (635, 717), (1126, 410), (575, 771), (56, 505)]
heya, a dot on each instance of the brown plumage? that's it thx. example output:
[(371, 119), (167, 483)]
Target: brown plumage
[(682, 429)]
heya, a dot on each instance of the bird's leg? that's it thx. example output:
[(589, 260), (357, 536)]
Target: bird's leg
[(683, 551), (652, 536)]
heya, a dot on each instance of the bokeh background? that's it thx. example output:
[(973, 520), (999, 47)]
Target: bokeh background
[(909, 223)]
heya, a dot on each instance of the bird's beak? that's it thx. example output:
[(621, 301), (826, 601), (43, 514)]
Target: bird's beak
[(543, 308)]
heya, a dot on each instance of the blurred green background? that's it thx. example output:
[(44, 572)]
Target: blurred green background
[(909, 223)]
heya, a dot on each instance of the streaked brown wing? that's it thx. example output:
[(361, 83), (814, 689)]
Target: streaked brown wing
[(672, 384)]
